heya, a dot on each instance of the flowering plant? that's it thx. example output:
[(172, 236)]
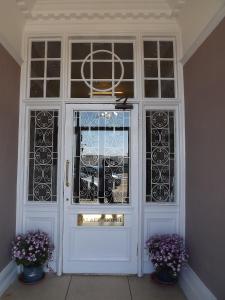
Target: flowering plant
[(167, 253), (32, 249)]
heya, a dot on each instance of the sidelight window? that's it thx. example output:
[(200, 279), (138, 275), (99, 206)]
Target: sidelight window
[(43, 156), (160, 156)]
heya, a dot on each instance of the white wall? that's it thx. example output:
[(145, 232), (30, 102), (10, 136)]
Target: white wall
[(11, 26), (194, 17)]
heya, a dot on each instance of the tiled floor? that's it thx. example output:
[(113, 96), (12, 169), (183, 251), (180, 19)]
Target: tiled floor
[(74, 287)]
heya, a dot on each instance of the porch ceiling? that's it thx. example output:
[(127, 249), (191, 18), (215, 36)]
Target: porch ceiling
[(98, 9)]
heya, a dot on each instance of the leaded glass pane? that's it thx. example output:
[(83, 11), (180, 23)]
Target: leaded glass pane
[(106, 69), (160, 156), (43, 155), (101, 157)]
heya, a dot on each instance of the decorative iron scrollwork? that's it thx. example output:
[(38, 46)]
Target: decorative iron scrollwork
[(43, 156), (160, 154)]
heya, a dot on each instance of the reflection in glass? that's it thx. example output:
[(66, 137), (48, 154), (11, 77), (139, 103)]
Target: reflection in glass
[(80, 50), (166, 69), (38, 50), (102, 70), (36, 88), (166, 49), (124, 50), (79, 90), (102, 55), (125, 89), (37, 69), (101, 157), (151, 68), (167, 89), (52, 88), (53, 68), (150, 49), (151, 88), (54, 49)]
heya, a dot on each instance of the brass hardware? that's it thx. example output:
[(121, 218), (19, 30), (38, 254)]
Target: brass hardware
[(67, 173)]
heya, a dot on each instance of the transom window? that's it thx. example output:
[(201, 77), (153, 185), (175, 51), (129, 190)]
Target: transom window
[(159, 71), (101, 69), (45, 69)]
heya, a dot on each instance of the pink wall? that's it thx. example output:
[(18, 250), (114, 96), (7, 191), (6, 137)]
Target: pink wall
[(204, 80), (9, 115)]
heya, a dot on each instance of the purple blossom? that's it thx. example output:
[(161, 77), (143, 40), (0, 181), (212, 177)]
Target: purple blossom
[(167, 252), (33, 248)]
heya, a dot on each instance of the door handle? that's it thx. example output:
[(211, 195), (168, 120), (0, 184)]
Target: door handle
[(67, 173)]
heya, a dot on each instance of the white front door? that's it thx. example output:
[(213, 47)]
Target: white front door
[(100, 190)]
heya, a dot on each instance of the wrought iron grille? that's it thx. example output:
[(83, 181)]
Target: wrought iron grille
[(43, 156), (101, 157), (160, 155)]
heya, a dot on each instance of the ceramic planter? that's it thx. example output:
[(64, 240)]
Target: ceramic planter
[(32, 274)]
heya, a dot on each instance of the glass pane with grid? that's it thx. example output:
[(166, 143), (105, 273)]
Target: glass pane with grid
[(159, 69), (101, 69), (160, 156), (45, 69)]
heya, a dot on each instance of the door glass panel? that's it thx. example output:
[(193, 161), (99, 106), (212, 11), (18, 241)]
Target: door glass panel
[(101, 157)]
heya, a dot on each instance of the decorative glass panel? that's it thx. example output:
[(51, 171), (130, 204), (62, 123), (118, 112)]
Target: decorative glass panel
[(106, 69), (159, 72), (160, 156), (45, 69), (100, 219), (43, 155), (101, 157)]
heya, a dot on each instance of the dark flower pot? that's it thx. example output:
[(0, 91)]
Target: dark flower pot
[(32, 274), (164, 277)]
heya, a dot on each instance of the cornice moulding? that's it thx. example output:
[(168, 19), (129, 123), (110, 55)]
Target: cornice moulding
[(50, 10), (101, 15)]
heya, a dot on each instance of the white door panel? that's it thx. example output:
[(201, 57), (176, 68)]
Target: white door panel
[(100, 190)]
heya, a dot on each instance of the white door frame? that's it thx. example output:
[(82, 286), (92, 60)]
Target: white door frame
[(131, 211)]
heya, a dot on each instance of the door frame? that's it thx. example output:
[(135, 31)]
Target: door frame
[(134, 205), (51, 214)]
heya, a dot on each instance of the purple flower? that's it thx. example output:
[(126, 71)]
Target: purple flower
[(33, 248), (169, 250)]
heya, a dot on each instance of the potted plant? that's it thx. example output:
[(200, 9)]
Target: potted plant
[(168, 255), (32, 250)]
